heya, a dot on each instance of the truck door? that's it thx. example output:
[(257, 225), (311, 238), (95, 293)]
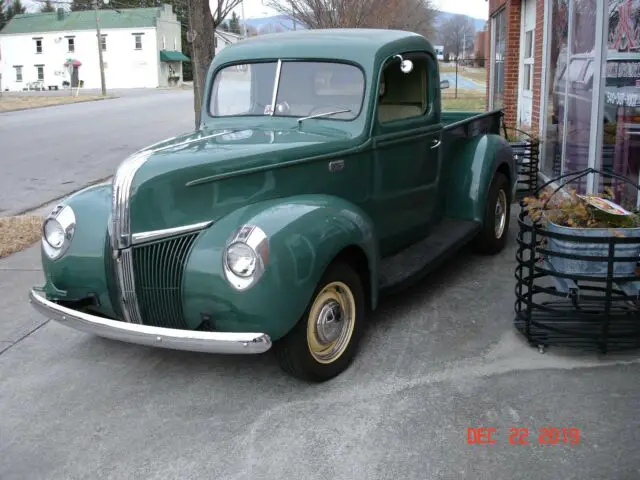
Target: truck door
[(406, 134)]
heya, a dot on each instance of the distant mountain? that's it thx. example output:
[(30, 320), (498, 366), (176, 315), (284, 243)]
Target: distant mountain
[(444, 16), (265, 23), (285, 23)]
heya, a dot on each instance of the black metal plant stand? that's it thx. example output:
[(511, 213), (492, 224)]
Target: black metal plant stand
[(575, 307), (526, 152)]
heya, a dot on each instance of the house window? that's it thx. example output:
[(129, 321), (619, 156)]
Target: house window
[(40, 69), (38, 45), (18, 73), (138, 40), (71, 43), (527, 73), (164, 43), (103, 42), (498, 54)]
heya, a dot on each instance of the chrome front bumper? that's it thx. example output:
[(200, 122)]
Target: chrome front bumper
[(189, 340)]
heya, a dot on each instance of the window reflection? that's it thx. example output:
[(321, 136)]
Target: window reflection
[(621, 99)]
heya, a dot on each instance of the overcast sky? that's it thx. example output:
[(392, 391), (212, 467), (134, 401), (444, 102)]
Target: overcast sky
[(474, 8), (254, 8)]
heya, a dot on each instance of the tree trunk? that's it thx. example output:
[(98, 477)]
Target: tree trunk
[(202, 51)]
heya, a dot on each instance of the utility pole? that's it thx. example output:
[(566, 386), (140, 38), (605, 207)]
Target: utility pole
[(244, 21), (102, 82)]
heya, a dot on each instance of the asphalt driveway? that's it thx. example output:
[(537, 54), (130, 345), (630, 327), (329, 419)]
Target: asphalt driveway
[(436, 360)]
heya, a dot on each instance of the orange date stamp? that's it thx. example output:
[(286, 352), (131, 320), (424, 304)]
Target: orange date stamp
[(525, 436)]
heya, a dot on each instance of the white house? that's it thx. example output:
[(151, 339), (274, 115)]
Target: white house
[(141, 48), (222, 39)]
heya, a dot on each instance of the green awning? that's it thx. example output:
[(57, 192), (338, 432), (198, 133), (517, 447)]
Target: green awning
[(173, 56)]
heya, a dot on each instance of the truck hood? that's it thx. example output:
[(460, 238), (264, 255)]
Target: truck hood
[(200, 176)]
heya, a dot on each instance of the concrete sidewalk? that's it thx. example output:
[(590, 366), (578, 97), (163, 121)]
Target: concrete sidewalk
[(435, 361)]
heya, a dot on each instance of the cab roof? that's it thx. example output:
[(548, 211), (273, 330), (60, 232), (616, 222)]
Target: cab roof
[(360, 45)]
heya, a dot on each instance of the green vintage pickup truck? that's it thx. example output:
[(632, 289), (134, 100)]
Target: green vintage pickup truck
[(323, 174)]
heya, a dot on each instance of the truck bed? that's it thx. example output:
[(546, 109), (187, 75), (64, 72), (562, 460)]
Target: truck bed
[(451, 119)]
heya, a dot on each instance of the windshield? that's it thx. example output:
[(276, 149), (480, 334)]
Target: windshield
[(305, 89)]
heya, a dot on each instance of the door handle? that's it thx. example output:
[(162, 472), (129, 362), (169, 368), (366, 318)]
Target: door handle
[(435, 144)]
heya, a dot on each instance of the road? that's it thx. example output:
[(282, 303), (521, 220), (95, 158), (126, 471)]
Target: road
[(463, 82), (50, 152), (435, 361)]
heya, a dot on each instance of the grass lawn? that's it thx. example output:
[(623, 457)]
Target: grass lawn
[(10, 102), (468, 100), (18, 233), (464, 103)]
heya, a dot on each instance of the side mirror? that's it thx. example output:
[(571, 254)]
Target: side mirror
[(444, 84), (406, 66)]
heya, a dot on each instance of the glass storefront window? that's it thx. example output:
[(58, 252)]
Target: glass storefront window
[(570, 72), (579, 87), (499, 27), (552, 143), (621, 100)]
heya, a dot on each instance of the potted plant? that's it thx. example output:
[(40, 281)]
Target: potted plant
[(594, 216)]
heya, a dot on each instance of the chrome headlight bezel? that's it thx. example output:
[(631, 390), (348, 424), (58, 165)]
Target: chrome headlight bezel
[(65, 219), (256, 243)]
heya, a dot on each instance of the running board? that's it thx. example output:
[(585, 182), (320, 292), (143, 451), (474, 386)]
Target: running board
[(410, 265)]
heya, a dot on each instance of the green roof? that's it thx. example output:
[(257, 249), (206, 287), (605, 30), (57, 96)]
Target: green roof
[(82, 20), (361, 45), (173, 56)]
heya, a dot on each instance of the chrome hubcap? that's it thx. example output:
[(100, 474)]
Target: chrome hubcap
[(500, 214), (330, 322)]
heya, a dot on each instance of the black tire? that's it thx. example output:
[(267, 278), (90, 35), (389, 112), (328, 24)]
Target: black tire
[(294, 352), (488, 240)]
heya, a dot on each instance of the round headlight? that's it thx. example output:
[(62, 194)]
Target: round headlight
[(241, 259), (53, 233), (58, 230)]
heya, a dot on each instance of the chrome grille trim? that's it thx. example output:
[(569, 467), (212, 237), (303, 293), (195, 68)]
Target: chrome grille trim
[(150, 236), (121, 227), (127, 286)]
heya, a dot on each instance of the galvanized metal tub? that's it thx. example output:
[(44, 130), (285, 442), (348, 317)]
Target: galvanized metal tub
[(592, 268)]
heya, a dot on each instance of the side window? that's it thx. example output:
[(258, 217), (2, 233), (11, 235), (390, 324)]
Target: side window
[(403, 95)]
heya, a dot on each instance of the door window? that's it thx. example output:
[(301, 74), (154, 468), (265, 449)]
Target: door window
[(403, 95)]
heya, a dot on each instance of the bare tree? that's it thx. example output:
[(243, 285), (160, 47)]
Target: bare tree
[(457, 35), (412, 15), (203, 23)]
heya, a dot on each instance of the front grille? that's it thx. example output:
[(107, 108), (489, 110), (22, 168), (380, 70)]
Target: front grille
[(159, 269)]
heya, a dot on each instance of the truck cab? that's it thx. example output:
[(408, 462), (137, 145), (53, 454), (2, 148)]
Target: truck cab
[(323, 175)]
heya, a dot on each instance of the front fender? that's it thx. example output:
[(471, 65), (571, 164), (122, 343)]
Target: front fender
[(305, 233), (477, 161), (82, 271)]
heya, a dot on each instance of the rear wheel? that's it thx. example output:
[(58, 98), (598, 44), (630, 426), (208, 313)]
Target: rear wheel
[(493, 236), (324, 341)]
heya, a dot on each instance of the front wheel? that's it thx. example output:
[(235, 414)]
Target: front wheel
[(493, 236), (324, 341)]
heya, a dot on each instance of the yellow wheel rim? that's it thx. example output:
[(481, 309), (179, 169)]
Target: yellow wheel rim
[(331, 322)]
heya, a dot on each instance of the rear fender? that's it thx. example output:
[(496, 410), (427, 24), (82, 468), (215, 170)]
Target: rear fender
[(305, 234), (476, 162)]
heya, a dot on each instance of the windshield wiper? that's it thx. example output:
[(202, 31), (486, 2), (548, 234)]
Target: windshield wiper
[(323, 115)]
